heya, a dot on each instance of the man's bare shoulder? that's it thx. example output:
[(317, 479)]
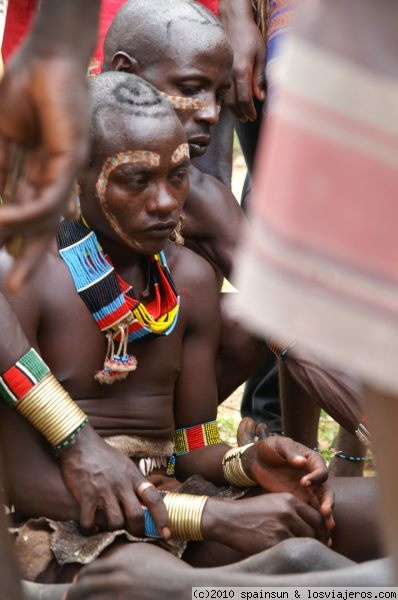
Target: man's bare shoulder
[(212, 219), (189, 268), (207, 189), (42, 279)]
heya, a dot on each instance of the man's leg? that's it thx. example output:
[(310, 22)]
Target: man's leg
[(382, 411), (357, 533), (130, 574), (10, 586)]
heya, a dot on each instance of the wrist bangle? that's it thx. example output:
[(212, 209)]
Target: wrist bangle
[(35, 393), (233, 469), (185, 515)]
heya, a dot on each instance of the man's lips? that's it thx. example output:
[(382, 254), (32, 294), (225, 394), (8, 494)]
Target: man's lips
[(161, 228), (198, 145)]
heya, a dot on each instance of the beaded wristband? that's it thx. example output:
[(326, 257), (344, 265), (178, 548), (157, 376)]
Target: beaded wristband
[(343, 456), (35, 393), (21, 378), (185, 515), (71, 438), (233, 468), (150, 529), (187, 439)]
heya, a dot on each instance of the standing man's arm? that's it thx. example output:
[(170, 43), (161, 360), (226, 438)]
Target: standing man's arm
[(43, 125), (249, 57)]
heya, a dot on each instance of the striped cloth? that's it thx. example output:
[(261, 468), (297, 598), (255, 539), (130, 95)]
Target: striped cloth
[(320, 263)]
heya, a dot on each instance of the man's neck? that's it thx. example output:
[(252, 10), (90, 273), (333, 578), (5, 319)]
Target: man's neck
[(130, 265)]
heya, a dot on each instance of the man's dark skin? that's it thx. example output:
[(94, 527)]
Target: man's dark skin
[(193, 62), (248, 76), (171, 369), (293, 563), (183, 51), (46, 78), (44, 110)]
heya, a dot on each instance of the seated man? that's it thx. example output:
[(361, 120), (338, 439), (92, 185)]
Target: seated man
[(117, 280), (182, 49)]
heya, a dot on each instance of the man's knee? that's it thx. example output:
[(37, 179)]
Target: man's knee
[(297, 555)]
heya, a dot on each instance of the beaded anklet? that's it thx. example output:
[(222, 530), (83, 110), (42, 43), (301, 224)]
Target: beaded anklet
[(30, 388), (343, 456)]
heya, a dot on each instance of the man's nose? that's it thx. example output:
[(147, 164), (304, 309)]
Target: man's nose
[(210, 111), (163, 201)]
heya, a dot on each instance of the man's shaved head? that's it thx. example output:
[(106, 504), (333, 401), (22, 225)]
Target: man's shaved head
[(144, 28), (116, 93)]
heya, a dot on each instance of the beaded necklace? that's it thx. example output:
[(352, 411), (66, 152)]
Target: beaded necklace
[(111, 300)]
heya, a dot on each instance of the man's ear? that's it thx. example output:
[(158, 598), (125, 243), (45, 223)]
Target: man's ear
[(122, 61)]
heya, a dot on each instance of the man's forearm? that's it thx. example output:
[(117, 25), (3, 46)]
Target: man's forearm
[(231, 9), (206, 462), (68, 27)]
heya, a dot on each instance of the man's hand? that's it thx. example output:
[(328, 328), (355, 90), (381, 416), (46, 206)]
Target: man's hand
[(248, 75), (254, 524), (279, 464), (44, 112), (103, 479)]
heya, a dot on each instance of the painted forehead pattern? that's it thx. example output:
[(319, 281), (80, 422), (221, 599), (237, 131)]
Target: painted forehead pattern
[(182, 103), (151, 159), (182, 151), (123, 158)]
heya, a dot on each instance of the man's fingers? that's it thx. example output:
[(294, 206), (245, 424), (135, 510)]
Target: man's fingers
[(114, 516), (314, 519), (134, 514), (87, 516), (149, 495), (230, 100), (317, 471), (246, 431), (300, 528), (244, 94), (262, 431), (259, 77), (326, 499)]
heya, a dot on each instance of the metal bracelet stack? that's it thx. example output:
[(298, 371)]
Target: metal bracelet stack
[(50, 409), (185, 515), (233, 469)]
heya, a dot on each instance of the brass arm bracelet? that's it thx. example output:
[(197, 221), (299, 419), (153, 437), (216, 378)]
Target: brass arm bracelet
[(233, 468), (50, 409), (185, 514)]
